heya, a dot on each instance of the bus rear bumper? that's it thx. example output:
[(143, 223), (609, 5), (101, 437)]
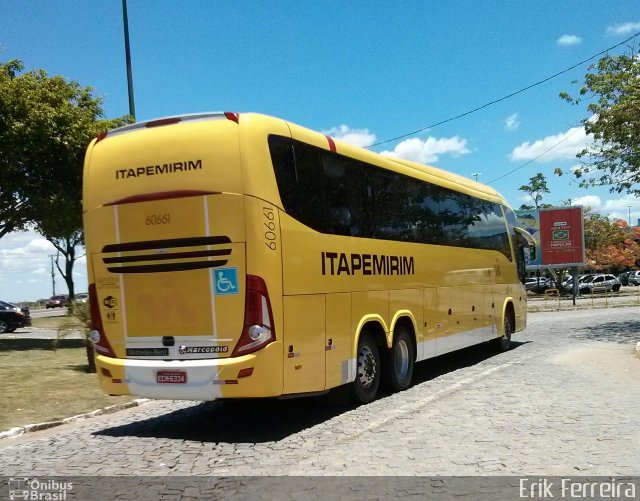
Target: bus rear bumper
[(254, 375)]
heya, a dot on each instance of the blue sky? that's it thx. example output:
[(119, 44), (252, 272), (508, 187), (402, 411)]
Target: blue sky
[(366, 71)]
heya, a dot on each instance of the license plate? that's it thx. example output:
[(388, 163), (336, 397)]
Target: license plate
[(171, 377)]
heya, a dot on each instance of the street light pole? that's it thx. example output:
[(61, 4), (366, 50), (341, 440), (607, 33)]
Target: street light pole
[(53, 275), (127, 49)]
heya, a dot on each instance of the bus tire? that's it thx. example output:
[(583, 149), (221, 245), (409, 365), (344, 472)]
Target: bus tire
[(400, 361), (365, 386), (503, 343)]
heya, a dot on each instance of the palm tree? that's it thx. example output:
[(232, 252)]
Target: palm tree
[(79, 322)]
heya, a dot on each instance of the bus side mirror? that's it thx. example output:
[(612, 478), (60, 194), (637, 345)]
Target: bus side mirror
[(530, 241)]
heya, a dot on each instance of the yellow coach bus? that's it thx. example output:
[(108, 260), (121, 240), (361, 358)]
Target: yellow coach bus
[(239, 255)]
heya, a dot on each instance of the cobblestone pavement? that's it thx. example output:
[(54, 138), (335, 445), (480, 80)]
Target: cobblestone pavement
[(564, 401)]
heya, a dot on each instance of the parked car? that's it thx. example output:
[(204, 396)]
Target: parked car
[(600, 283), (83, 297), (13, 317), (567, 284), (634, 278), (624, 277), (57, 302), (537, 285)]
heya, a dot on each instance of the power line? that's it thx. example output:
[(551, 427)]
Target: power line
[(495, 101), (536, 158)]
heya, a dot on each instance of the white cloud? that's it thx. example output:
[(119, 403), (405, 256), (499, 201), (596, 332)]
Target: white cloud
[(428, 150), (626, 207), (563, 146), (25, 267), (623, 28), (567, 40), (512, 123), (623, 203), (357, 137), (592, 201)]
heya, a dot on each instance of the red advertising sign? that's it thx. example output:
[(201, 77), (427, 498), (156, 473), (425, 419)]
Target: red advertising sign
[(562, 237)]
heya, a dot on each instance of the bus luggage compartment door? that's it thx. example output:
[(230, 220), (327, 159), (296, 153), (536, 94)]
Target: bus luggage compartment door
[(304, 343)]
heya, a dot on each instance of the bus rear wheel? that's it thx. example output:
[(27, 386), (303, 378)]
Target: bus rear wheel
[(365, 386), (400, 361)]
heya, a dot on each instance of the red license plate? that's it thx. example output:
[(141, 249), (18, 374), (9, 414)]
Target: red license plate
[(171, 377)]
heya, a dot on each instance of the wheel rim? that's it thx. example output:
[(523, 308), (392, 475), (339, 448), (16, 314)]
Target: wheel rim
[(507, 331), (402, 359), (3, 327), (367, 367)]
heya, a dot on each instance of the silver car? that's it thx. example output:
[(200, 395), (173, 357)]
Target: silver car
[(634, 278), (600, 283)]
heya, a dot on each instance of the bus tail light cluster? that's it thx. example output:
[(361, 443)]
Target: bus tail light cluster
[(258, 330), (100, 342)]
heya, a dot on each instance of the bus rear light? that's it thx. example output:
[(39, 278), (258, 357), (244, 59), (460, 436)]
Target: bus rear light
[(246, 372), (102, 345), (163, 121), (234, 117), (258, 330)]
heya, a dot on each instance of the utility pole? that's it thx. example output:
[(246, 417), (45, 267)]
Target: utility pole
[(127, 50), (53, 276), (629, 215), (476, 174)]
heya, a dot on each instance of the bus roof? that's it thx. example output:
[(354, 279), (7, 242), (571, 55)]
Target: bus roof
[(426, 172)]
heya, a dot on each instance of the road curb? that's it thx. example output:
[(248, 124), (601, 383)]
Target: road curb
[(20, 430)]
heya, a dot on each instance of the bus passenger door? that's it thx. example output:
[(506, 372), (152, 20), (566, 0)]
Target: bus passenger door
[(304, 343)]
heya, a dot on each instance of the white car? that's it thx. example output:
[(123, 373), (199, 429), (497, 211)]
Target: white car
[(600, 283)]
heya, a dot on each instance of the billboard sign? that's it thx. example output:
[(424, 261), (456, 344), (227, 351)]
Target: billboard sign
[(559, 234)]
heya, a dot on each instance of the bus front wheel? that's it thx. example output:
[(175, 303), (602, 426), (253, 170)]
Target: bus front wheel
[(503, 343), (400, 361), (365, 386)]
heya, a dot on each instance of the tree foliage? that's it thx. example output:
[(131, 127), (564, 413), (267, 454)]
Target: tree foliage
[(610, 245), (613, 159), (46, 124), (536, 189)]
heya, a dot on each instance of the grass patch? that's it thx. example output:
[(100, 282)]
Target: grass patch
[(53, 322), (47, 385)]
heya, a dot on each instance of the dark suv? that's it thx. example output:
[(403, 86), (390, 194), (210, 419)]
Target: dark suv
[(13, 317), (57, 302)]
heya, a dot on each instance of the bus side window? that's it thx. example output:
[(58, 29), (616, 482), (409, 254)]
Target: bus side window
[(299, 177), (343, 195)]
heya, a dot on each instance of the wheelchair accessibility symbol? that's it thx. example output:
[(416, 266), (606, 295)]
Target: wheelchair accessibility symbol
[(226, 280)]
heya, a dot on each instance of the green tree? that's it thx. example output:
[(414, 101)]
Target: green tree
[(46, 124), (12, 208), (536, 189), (613, 159)]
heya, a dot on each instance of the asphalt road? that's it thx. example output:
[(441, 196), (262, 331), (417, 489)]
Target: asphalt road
[(563, 402), (48, 312)]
